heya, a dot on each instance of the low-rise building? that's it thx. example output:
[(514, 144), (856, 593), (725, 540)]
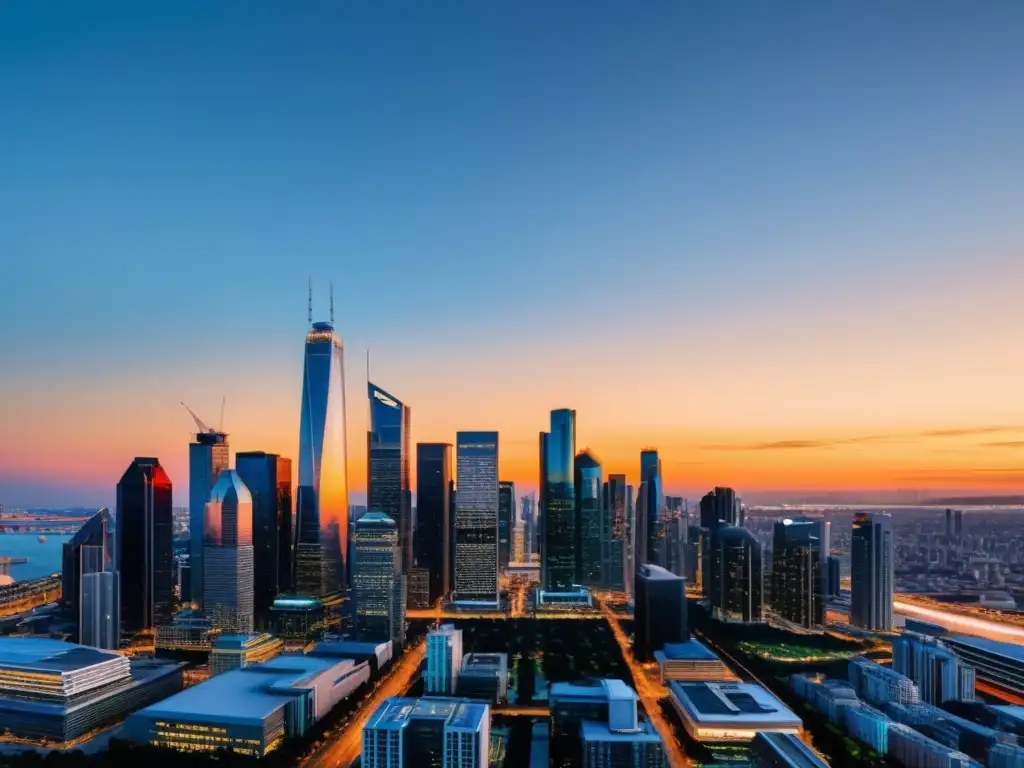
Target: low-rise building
[(239, 651), (691, 661), (730, 711), (912, 748), (410, 733), (484, 676)]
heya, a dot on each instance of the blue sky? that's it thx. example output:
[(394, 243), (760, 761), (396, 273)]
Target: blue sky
[(498, 186)]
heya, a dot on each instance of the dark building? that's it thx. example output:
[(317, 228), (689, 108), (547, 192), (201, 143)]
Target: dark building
[(434, 510), (834, 578), (558, 503), (651, 507), (615, 534), (588, 481), (145, 546), (387, 467), (958, 522), (97, 531), (736, 590), (719, 506), (871, 572), (949, 523), (659, 611), (269, 480), (800, 552), (506, 514)]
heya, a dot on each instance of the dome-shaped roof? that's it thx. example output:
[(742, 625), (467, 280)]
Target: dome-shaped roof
[(230, 488)]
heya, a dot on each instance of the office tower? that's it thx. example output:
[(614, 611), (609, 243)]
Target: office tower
[(528, 512), (418, 588), (881, 685), (588, 482), (228, 555), (835, 580), (506, 514), (934, 668), (949, 523), (321, 511), (208, 456), (518, 540), (871, 572), (631, 523), (800, 550), (145, 546), (958, 523), (650, 505), (676, 531), (434, 514), (269, 480), (720, 506), (97, 531), (444, 660), (476, 518), (558, 503), (378, 584), (98, 599), (736, 587), (614, 533), (659, 611), (387, 467), (427, 733)]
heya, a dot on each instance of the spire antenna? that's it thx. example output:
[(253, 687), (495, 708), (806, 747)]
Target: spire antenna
[(332, 302), (310, 304)]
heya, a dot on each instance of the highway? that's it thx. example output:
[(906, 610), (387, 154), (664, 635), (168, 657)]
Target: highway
[(342, 748)]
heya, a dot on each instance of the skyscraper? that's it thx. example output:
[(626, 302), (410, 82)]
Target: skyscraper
[(208, 456), (659, 610), (720, 506), (528, 513), (269, 480), (653, 500), (736, 589), (949, 523), (506, 514), (444, 660), (800, 551), (378, 584), (97, 531), (631, 526), (558, 503), (228, 555), (99, 597), (321, 549), (615, 532), (871, 572), (387, 467), (588, 482), (476, 518), (433, 533), (427, 733), (145, 546)]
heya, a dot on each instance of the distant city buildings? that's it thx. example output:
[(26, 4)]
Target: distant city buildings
[(871, 572), (443, 732), (229, 574), (388, 451), (378, 584), (557, 514), (476, 519), (800, 551), (321, 511), (145, 547), (434, 526), (736, 590), (444, 660), (659, 611)]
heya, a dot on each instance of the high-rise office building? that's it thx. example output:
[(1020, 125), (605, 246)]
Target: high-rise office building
[(933, 667), (720, 506), (321, 510), (98, 600), (958, 523), (615, 542), (736, 589), (949, 523), (433, 534), (528, 513), (228, 555), (871, 572), (631, 534), (208, 456), (659, 611), (834, 579), (378, 584), (388, 454), (97, 531), (800, 551), (589, 486), (676, 531), (269, 480), (444, 660), (476, 518), (145, 546), (652, 501), (428, 732), (506, 514), (558, 503)]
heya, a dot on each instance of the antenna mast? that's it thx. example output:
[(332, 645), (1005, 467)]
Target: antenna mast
[(310, 305)]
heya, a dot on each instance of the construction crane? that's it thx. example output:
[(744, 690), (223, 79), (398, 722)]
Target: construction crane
[(199, 422)]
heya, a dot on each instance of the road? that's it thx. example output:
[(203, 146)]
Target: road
[(649, 693), (958, 622), (342, 748), (521, 711)]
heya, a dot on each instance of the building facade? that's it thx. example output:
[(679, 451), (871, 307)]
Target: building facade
[(557, 516), (99, 597), (800, 551), (433, 534), (378, 584), (651, 505), (444, 660), (871, 572), (934, 668), (388, 451), (228, 557), (588, 481), (476, 518), (443, 732), (659, 611), (615, 533), (506, 514), (737, 588), (208, 456)]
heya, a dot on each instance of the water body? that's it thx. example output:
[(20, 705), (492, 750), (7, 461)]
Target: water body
[(43, 557)]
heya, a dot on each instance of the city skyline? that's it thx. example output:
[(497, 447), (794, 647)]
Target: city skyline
[(634, 172)]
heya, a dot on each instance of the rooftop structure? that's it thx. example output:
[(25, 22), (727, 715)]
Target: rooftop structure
[(406, 733), (993, 661), (730, 711), (691, 661)]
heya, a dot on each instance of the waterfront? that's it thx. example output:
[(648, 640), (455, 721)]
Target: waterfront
[(43, 557)]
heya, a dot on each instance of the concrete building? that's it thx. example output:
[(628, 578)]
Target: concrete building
[(443, 732), (484, 676), (730, 712), (444, 660)]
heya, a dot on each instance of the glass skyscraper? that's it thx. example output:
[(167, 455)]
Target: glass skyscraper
[(145, 546), (476, 518), (718, 507), (614, 533), (506, 514), (589, 485), (800, 551), (99, 597), (654, 548), (432, 537), (321, 548), (558, 537), (228, 555), (269, 480), (378, 584), (97, 531), (208, 456), (736, 588), (387, 467), (871, 572)]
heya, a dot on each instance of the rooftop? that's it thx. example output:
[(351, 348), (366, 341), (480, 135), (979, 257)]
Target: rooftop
[(693, 650), (604, 689), (396, 712), (658, 573), (43, 654), (738, 703), (592, 730), (1015, 652)]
